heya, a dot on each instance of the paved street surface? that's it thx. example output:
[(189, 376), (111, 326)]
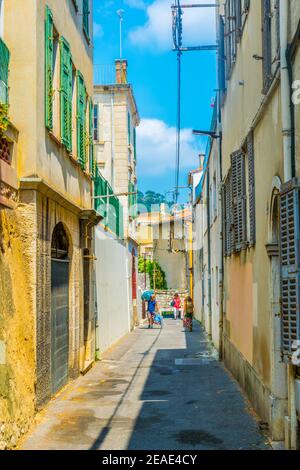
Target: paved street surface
[(157, 389)]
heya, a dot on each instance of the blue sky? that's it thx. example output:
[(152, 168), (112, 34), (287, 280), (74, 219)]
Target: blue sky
[(147, 37)]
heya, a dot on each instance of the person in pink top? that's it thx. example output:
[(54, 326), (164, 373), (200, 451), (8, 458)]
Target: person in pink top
[(177, 306)]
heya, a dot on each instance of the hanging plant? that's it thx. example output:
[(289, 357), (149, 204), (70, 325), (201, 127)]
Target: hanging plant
[(4, 120)]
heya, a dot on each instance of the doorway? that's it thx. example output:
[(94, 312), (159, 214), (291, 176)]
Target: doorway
[(59, 308)]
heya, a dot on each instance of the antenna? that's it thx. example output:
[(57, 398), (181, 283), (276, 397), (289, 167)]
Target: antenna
[(120, 14)]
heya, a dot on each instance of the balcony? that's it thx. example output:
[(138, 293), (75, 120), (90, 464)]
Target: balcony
[(8, 173), (110, 207), (4, 68)]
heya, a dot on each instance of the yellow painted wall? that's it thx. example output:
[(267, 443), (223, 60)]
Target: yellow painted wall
[(39, 154)]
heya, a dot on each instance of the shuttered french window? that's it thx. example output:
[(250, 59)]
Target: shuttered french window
[(239, 200), (81, 120), (49, 44), (290, 267), (251, 185), (66, 94)]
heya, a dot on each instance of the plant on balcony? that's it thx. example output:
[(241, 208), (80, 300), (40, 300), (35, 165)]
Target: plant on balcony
[(4, 120)]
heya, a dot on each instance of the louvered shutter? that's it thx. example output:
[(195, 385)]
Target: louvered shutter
[(66, 94), (251, 176), (239, 19), (229, 221), (91, 140), (239, 200), (49, 69), (290, 268), (134, 142), (81, 120), (227, 39), (224, 215), (267, 46), (221, 56), (86, 17)]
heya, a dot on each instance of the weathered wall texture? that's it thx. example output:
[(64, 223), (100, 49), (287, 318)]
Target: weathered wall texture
[(17, 322)]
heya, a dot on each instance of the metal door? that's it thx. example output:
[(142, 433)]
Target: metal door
[(59, 323)]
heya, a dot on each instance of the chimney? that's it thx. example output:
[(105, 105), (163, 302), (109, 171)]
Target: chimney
[(121, 71)]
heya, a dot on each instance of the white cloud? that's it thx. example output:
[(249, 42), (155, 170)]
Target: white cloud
[(156, 33), (156, 146), (98, 30), (138, 4)]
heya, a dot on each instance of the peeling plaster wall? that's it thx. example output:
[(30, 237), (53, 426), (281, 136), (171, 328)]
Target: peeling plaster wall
[(17, 321)]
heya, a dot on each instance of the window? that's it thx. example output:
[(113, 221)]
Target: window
[(236, 12), (228, 233), (91, 138), (271, 41), (66, 92), (86, 17), (134, 143), (75, 3), (49, 65), (96, 122), (290, 267), (81, 120), (251, 188), (215, 197), (239, 200)]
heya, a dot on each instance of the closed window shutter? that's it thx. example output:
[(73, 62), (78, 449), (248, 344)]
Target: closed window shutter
[(86, 17), (239, 200), (221, 56), (251, 176), (81, 120), (65, 94), (91, 141), (134, 143), (227, 40), (267, 46), (229, 215), (290, 268), (49, 69)]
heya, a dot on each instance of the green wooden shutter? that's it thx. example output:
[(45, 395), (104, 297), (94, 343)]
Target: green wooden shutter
[(134, 142), (81, 120), (49, 69), (91, 137), (86, 17), (290, 267), (65, 94)]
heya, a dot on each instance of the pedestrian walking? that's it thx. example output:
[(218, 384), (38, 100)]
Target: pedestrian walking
[(177, 306), (152, 308), (188, 313)]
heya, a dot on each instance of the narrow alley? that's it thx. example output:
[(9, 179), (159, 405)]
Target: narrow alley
[(160, 388)]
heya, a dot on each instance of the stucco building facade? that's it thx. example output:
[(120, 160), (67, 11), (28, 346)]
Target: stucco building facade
[(115, 121), (47, 310), (258, 63)]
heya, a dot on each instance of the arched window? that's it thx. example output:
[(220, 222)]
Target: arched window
[(60, 243)]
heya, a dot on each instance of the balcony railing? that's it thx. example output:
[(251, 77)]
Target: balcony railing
[(106, 74), (4, 67), (108, 206)]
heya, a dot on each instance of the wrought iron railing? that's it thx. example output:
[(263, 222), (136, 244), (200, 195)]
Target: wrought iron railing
[(108, 206)]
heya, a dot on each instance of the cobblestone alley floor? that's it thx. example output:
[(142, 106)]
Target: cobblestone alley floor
[(156, 390)]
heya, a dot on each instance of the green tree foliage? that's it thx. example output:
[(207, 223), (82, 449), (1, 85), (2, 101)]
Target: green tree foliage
[(160, 275), (151, 198)]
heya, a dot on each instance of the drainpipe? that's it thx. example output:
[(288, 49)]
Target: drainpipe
[(209, 256), (221, 260), (287, 136)]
